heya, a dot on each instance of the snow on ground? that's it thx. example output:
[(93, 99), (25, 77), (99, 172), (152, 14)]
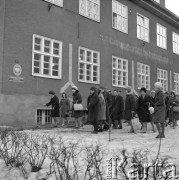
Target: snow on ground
[(119, 139)]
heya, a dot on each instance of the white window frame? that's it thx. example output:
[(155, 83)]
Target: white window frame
[(142, 27), (121, 29), (43, 116), (51, 55), (143, 75), (56, 2), (122, 70), (85, 14), (89, 63), (161, 37), (176, 82), (162, 79), (175, 43), (157, 1)]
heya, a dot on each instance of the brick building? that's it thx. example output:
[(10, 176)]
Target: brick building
[(53, 44)]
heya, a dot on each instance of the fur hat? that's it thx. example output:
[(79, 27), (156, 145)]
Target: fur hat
[(93, 88), (52, 92), (74, 87)]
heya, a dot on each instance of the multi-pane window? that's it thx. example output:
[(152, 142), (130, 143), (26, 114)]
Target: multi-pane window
[(142, 28), (43, 116), (119, 72), (158, 1), (89, 64), (119, 16), (56, 2), (143, 76), (161, 36), (47, 57), (175, 43), (176, 83), (162, 76), (90, 9)]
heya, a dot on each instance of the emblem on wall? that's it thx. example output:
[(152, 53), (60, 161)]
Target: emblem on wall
[(17, 69)]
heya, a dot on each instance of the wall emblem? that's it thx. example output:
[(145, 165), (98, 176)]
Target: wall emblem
[(17, 69)]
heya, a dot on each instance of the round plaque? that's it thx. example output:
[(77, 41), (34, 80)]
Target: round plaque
[(17, 69)]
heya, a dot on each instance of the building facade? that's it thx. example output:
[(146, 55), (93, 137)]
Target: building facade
[(54, 44)]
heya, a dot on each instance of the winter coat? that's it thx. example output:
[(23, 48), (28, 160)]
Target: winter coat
[(92, 105), (54, 102), (117, 108), (64, 107), (101, 107), (171, 103), (129, 106), (159, 108), (108, 101), (77, 99), (143, 108)]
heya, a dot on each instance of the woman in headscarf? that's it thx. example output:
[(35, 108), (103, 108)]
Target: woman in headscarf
[(159, 110)]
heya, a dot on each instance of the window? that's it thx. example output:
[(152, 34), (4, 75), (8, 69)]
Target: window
[(176, 43), (119, 16), (142, 28), (162, 76), (158, 1), (161, 36), (56, 2), (176, 83), (119, 72), (143, 76), (47, 57), (43, 116), (88, 66), (90, 9)]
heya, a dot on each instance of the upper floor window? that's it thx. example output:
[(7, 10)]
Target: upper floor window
[(142, 28), (158, 1), (47, 57), (90, 9), (143, 76), (161, 36), (176, 83), (162, 76), (89, 66), (175, 43), (119, 16), (119, 72), (56, 2)]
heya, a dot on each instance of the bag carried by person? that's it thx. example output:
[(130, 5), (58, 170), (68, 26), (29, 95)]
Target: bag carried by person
[(78, 107), (176, 109)]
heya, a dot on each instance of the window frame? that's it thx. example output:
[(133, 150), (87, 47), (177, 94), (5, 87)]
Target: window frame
[(159, 79), (86, 16), (43, 117), (157, 24), (47, 54), (177, 82), (122, 70), (52, 2), (138, 14), (121, 16), (176, 43), (98, 65), (157, 1), (141, 64)]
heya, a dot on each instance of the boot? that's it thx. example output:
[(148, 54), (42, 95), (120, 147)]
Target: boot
[(144, 129)]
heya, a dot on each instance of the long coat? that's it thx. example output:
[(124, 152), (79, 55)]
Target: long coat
[(171, 103), (143, 108), (54, 102), (64, 107), (159, 108), (101, 107), (77, 99), (92, 105), (117, 108), (130, 105)]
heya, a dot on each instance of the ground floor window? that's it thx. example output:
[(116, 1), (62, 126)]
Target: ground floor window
[(162, 76), (43, 116), (176, 83)]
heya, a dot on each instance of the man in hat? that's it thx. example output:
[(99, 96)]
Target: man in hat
[(54, 102)]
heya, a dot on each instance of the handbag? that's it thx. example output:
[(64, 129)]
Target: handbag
[(176, 109), (78, 107), (151, 110)]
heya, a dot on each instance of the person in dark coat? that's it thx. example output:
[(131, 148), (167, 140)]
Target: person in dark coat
[(166, 105), (130, 107), (64, 108), (159, 110), (117, 110), (144, 102), (54, 102), (92, 106), (77, 99)]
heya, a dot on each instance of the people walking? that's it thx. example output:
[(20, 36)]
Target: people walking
[(64, 109), (159, 110), (130, 107), (54, 102), (92, 106), (77, 114)]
